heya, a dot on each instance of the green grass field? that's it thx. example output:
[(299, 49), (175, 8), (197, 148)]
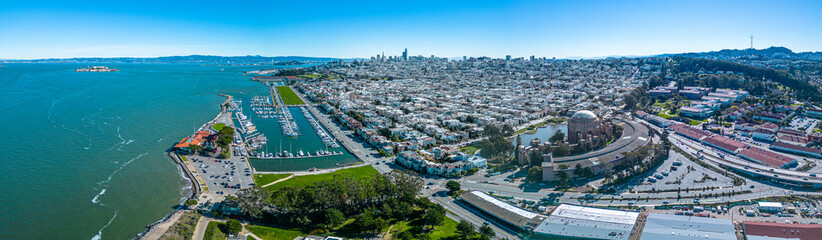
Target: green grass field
[(447, 230), (307, 180), (218, 126), (269, 233), (288, 96), (214, 231), (469, 149), (263, 179)]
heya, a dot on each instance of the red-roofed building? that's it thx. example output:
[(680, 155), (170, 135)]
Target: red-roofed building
[(780, 146), (763, 156), (689, 132), (815, 137), (783, 230), (641, 114), (199, 138), (791, 139), (726, 144)]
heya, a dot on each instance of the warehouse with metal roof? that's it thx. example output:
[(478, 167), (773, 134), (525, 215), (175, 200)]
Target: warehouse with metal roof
[(508, 214), (676, 227), (573, 221)]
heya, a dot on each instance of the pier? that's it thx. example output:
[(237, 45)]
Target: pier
[(327, 139), (301, 157)]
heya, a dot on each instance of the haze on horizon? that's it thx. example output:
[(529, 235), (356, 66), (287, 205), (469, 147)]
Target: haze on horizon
[(562, 29)]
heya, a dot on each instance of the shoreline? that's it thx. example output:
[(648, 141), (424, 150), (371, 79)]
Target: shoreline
[(196, 188)]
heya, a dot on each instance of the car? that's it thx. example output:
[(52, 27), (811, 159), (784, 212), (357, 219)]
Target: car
[(752, 186), (665, 202), (631, 203), (775, 175)]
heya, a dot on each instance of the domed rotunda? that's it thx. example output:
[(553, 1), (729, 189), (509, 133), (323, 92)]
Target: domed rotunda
[(583, 125)]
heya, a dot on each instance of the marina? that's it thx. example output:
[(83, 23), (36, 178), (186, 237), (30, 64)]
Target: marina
[(327, 139), (261, 113)]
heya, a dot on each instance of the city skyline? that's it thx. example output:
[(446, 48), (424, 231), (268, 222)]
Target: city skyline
[(587, 29)]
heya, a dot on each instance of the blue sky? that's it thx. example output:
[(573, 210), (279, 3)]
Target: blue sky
[(61, 29)]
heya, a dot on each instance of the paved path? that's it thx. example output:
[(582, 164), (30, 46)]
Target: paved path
[(249, 234), (199, 231), (278, 181), (161, 228)]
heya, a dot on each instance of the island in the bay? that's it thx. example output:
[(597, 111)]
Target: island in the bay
[(96, 69)]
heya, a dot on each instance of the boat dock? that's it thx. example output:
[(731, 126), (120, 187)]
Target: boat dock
[(299, 157), (326, 138)]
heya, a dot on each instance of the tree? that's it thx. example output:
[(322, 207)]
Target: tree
[(334, 217), (558, 136), (234, 226), (385, 132), (630, 102), (191, 202), (453, 187), (405, 235), (466, 230), (195, 148), (406, 184), (434, 217), (535, 174), (507, 130), (487, 231), (403, 210)]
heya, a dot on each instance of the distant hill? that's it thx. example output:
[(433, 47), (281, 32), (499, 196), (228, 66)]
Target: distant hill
[(767, 53), (203, 59)]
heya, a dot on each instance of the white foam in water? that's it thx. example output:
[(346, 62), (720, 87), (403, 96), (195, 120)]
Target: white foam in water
[(100, 232), (95, 199), (161, 139), (121, 168)]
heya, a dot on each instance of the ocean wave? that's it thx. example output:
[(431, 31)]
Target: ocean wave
[(50, 118), (121, 168), (96, 197), (100, 232)]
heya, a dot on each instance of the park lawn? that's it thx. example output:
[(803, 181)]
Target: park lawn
[(214, 231), (218, 126), (310, 76), (447, 230), (307, 180), (270, 233), (263, 179), (469, 149), (288, 96)]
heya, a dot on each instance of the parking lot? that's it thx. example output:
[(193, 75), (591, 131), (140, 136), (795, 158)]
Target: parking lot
[(804, 212), (804, 124), (224, 176), (687, 175)]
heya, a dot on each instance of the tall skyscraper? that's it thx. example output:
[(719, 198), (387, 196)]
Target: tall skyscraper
[(405, 55), (507, 57)]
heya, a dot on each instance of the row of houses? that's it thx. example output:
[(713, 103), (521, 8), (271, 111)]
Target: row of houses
[(423, 162)]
